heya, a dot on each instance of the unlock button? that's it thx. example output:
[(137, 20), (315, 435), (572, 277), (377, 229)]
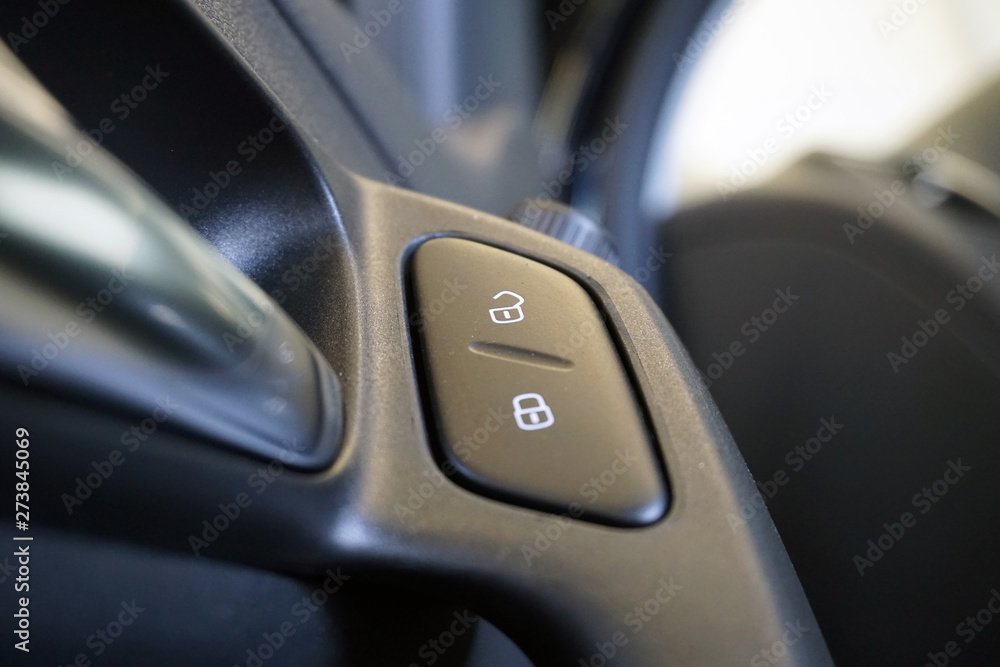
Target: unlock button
[(508, 314)]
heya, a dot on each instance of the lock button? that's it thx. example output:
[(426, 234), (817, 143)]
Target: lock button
[(527, 418), (530, 401)]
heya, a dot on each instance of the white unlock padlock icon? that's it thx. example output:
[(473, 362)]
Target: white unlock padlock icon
[(507, 314), (534, 416)]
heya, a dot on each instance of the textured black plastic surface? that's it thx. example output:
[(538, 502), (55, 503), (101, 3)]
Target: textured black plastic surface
[(529, 398), (564, 590)]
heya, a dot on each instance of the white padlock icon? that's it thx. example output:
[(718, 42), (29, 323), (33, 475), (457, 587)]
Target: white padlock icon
[(533, 417), (507, 314)]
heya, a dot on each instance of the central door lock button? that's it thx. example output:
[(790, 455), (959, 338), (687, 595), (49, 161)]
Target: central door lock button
[(510, 314), (533, 422), (530, 402)]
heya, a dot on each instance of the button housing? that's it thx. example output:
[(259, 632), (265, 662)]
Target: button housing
[(530, 402)]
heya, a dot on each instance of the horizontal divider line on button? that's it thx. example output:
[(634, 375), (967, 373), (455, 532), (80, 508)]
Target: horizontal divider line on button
[(521, 355)]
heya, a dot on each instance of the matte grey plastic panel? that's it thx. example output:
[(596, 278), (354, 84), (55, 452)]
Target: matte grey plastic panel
[(686, 590)]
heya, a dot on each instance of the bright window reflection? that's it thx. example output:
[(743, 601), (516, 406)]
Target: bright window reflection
[(856, 77)]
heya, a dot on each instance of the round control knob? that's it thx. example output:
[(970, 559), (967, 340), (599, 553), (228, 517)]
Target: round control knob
[(566, 224)]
